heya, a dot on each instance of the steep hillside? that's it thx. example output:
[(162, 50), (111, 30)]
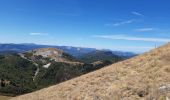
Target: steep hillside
[(145, 77), (59, 72), (16, 75), (99, 55)]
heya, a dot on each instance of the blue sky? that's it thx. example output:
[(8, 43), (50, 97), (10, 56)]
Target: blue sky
[(127, 25)]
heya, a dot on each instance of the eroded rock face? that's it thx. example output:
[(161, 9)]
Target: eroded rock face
[(45, 55), (164, 88), (52, 53), (47, 65)]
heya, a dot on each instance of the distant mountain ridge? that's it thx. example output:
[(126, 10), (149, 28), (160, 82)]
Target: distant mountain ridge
[(74, 51)]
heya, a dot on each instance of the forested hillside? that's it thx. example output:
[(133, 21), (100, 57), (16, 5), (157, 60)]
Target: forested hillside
[(24, 73)]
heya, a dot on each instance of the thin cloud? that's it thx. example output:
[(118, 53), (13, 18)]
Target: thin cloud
[(145, 29), (123, 37), (121, 23), (136, 47), (137, 13), (67, 14), (38, 34)]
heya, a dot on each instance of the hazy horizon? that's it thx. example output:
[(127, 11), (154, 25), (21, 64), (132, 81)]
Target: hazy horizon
[(136, 52)]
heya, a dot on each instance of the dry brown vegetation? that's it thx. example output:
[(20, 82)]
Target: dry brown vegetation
[(4, 97), (145, 77)]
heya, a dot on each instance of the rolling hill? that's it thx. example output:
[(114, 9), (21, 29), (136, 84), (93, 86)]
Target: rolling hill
[(49, 54), (99, 55), (145, 77)]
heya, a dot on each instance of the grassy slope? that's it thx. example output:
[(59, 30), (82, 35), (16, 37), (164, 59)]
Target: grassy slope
[(139, 78), (4, 97)]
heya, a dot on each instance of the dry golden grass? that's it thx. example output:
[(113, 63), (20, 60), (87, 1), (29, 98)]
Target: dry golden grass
[(145, 77), (4, 97)]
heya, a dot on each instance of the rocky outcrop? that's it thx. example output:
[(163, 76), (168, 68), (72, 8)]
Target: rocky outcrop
[(4, 83)]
